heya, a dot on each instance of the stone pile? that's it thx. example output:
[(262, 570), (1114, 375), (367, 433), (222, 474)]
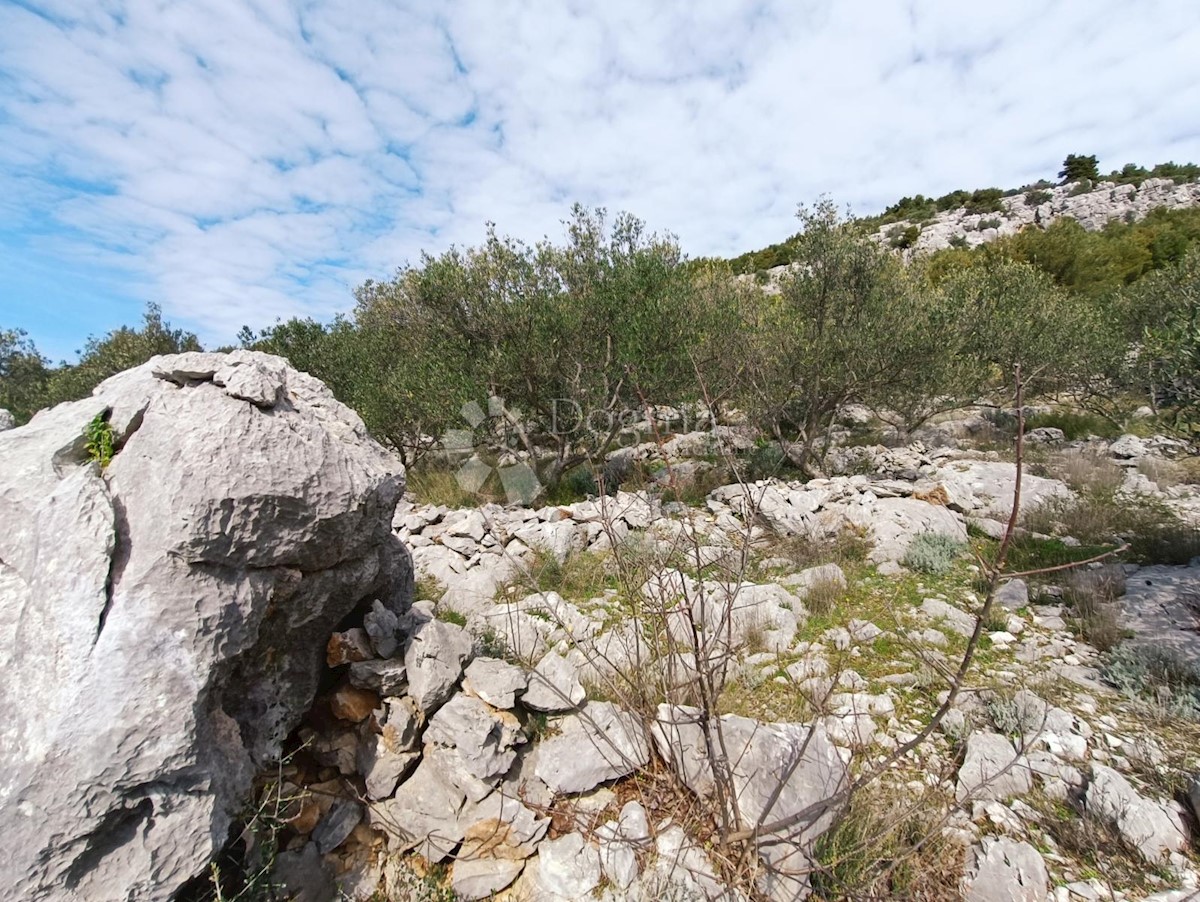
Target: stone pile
[(467, 759)]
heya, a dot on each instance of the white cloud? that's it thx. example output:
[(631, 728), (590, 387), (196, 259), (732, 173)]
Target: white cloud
[(248, 160)]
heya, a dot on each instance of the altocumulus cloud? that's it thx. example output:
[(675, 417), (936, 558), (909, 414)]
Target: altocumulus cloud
[(242, 161)]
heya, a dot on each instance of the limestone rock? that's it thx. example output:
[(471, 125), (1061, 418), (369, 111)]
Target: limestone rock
[(597, 744), (992, 769), (762, 752), (434, 660), (495, 681), (1013, 594), (7, 420), (484, 738), (173, 612), (567, 868), (482, 878), (1004, 870), (553, 686), (1152, 828)]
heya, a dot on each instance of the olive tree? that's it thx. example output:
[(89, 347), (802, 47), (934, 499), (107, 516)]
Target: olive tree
[(23, 375), (849, 324), (574, 337)]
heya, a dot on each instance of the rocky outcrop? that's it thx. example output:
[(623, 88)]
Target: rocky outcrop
[(1093, 209), (163, 620)]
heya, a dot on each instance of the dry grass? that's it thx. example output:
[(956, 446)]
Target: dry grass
[(1170, 473), (1085, 472), (889, 845), (1092, 597)]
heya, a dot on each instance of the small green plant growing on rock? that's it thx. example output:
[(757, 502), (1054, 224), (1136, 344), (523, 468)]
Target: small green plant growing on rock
[(932, 552), (100, 440)]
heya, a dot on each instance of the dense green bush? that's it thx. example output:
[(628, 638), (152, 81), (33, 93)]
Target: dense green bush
[(24, 374)]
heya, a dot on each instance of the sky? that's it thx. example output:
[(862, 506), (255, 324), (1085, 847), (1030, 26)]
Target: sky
[(240, 162)]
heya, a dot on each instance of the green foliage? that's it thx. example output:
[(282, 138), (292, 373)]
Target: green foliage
[(1091, 596), (1077, 167), (1074, 424), (850, 325), (900, 237), (1169, 305), (1101, 514), (99, 440), (569, 335), (1009, 314), (119, 350), (23, 375), (1157, 676), (1037, 197), (932, 552)]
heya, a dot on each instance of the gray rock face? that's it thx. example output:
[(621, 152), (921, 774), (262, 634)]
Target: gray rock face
[(1004, 870), (496, 682), (434, 660), (1013, 594), (7, 420), (163, 622), (1153, 828), (484, 739), (553, 686), (992, 769)]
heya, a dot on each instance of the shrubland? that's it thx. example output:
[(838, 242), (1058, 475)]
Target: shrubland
[(556, 349)]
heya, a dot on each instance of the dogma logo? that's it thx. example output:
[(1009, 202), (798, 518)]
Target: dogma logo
[(520, 481)]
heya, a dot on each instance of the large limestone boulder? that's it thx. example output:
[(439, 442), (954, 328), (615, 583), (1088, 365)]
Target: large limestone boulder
[(163, 621)]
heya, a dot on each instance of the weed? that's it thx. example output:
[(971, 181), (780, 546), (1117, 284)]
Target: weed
[(1098, 515), (428, 589), (932, 552), (99, 435), (451, 616), (886, 849), (1004, 714), (436, 484), (578, 577), (849, 546)]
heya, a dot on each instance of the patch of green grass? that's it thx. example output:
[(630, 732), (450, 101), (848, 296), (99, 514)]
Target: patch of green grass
[(451, 616), (581, 576), (1074, 424), (1029, 553)]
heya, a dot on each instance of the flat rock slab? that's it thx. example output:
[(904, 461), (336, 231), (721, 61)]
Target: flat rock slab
[(1162, 607), (599, 743), (1004, 870)]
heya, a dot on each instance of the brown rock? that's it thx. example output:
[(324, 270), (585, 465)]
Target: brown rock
[(348, 647), (353, 704)]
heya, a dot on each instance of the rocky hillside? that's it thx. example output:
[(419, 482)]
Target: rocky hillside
[(223, 681), (1093, 207)]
